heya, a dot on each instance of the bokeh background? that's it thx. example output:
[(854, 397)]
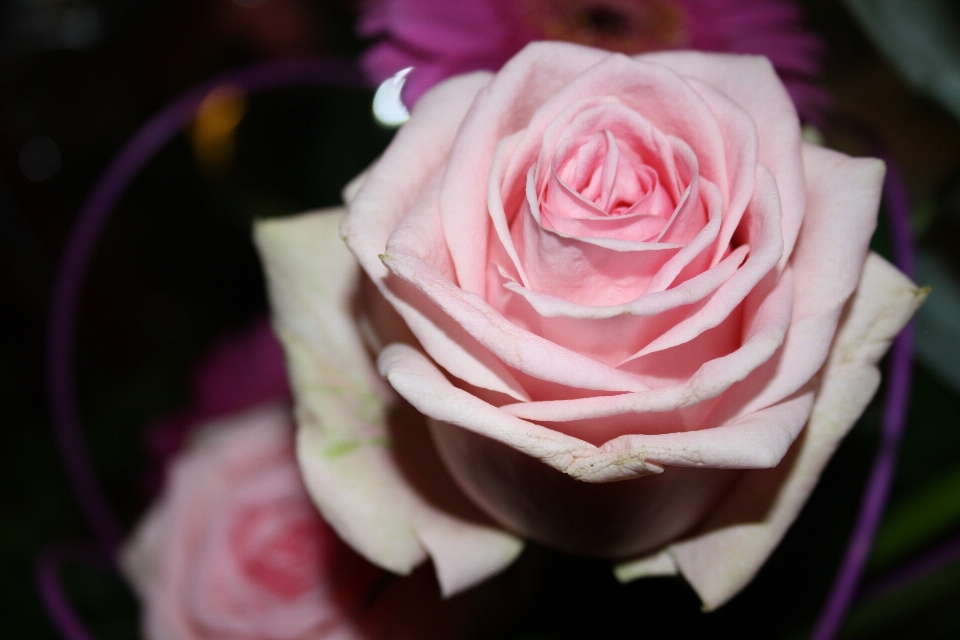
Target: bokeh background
[(175, 270)]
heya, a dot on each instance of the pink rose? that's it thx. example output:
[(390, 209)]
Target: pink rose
[(236, 549), (614, 286)]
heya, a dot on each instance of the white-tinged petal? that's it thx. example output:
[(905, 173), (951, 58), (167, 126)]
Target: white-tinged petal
[(658, 564), (347, 453), (735, 542)]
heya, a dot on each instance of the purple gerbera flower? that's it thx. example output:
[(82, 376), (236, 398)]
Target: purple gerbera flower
[(441, 39)]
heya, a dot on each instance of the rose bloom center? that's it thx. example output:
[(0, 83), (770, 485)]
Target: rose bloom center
[(278, 546)]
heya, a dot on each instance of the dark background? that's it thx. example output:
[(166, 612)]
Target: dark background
[(175, 268)]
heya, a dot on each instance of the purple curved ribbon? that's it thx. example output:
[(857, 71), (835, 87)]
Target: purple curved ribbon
[(64, 304), (46, 574), (899, 379)]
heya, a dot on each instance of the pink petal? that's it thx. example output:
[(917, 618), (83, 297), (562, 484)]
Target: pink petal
[(514, 346), (586, 328), (534, 74), (842, 198), (393, 186), (753, 84), (764, 335), (481, 464), (762, 232)]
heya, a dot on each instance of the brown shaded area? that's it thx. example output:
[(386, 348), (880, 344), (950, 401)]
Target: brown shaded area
[(616, 25), (422, 468), (614, 519)]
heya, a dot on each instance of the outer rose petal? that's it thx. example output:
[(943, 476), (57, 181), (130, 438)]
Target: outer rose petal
[(521, 86), (390, 188), (731, 547), (351, 464), (843, 195), (519, 482)]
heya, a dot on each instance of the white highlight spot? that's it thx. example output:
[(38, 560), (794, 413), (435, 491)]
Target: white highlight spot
[(388, 109)]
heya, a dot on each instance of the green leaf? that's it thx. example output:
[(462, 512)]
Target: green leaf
[(918, 520), (938, 333), (878, 614), (922, 38)]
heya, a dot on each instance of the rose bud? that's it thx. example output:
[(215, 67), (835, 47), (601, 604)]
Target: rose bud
[(636, 311), (235, 549)]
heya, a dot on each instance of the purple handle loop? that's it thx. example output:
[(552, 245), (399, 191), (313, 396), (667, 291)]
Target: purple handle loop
[(899, 379), (46, 573), (61, 335), (93, 216)]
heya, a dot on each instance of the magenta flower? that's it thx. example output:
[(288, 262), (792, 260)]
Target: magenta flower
[(442, 39)]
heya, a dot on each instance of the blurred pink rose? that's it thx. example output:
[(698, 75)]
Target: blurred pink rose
[(236, 549), (616, 285), (443, 39)]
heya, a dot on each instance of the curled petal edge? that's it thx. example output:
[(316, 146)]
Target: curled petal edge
[(343, 445), (424, 386), (729, 549)]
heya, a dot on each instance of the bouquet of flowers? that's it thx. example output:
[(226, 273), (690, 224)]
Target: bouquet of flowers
[(600, 313)]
